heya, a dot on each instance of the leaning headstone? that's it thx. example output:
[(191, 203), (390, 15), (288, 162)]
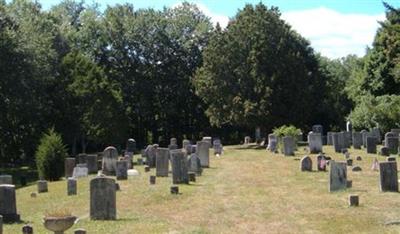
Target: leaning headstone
[(179, 167), (8, 203), (42, 186), (203, 153), (321, 163), (80, 172), (162, 162), (27, 229), (329, 140), (71, 187), (288, 146), (122, 170), (194, 164), (371, 145), (384, 151), (109, 163), (91, 161), (6, 179), (337, 176), (69, 165), (103, 199), (388, 177), (315, 143), (357, 140), (306, 164)]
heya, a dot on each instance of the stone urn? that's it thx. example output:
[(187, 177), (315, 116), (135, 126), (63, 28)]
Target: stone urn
[(59, 224)]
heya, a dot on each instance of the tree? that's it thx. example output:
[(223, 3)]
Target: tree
[(259, 72)]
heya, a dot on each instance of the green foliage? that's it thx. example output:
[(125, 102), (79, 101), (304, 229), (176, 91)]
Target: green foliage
[(382, 111), (259, 72), (287, 130), (50, 156)]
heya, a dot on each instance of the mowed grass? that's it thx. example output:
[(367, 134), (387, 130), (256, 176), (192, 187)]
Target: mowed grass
[(244, 191)]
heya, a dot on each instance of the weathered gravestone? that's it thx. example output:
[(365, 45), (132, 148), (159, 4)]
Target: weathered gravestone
[(396, 131), (217, 146), (384, 151), (187, 146), (69, 165), (321, 163), (203, 153), (103, 199), (71, 186), (179, 167), (357, 140), (194, 164), (109, 162), (392, 143), (288, 146), (371, 145), (151, 152), (152, 179), (122, 170), (376, 132), (207, 139), (42, 186), (337, 176), (364, 134), (173, 144), (318, 129), (353, 200), (91, 162), (5, 179), (306, 164), (80, 171), (130, 145), (338, 141), (347, 139), (162, 162), (315, 142), (8, 203), (272, 142), (388, 177), (329, 140)]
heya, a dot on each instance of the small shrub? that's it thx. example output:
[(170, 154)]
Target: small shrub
[(50, 156), (285, 130)]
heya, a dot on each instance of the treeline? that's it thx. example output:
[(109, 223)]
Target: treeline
[(99, 77)]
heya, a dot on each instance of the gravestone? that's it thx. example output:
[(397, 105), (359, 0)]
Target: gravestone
[(272, 142), (194, 164), (349, 126), (69, 165), (347, 139), (217, 146), (337, 176), (192, 176), (162, 162), (349, 162), (384, 151), (388, 177), (6, 179), (356, 168), (288, 146), (364, 134), (357, 140), (152, 179), (42, 186), (103, 199), (80, 172), (353, 200), (122, 170), (203, 153), (247, 140), (306, 164), (376, 132), (338, 141), (150, 152), (321, 163), (81, 158), (8, 203), (207, 139), (187, 146), (329, 140), (174, 189), (179, 167), (392, 143), (130, 146), (315, 142), (318, 129), (371, 145), (91, 161), (71, 186), (109, 162), (172, 147)]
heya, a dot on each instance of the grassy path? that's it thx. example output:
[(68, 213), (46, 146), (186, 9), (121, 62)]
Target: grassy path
[(244, 191)]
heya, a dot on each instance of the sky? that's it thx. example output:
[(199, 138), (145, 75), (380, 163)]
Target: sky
[(335, 28)]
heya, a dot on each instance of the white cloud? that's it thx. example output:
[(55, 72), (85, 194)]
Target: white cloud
[(334, 34)]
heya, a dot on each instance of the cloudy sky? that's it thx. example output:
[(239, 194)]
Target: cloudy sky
[(335, 28)]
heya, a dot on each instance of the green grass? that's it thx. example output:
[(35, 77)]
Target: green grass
[(244, 191)]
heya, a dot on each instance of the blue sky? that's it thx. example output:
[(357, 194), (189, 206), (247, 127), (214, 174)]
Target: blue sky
[(335, 28)]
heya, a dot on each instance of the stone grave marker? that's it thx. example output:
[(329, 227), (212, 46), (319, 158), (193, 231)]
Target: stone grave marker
[(109, 162), (80, 171), (306, 164), (207, 139), (69, 165), (357, 140), (81, 158), (71, 186), (371, 145), (388, 177), (272, 142), (122, 170), (91, 161), (203, 153), (338, 141), (217, 146), (103, 199), (337, 176), (8, 203), (194, 164), (288, 146), (315, 143), (42, 186), (179, 167), (329, 140), (162, 162)]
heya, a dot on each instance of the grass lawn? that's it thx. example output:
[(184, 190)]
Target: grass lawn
[(244, 191)]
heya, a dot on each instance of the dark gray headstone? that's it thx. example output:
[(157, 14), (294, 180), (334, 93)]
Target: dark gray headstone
[(103, 199), (71, 186), (179, 167), (329, 140), (337, 176), (122, 170), (384, 151), (203, 152), (217, 146), (162, 162), (194, 164), (353, 200), (392, 143), (371, 145), (357, 140), (315, 143), (388, 177), (288, 146), (91, 161), (8, 203), (42, 186), (80, 231), (109, 162), (69, 165), (338, 141), (306, 164), (347, 139), (318, 129)]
